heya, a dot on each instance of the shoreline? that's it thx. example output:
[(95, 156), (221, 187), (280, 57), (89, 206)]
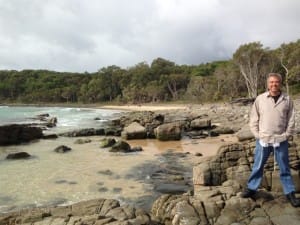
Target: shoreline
[(125, 107), (145, 107)]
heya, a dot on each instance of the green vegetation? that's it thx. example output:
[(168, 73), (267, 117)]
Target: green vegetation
[(242, 76)]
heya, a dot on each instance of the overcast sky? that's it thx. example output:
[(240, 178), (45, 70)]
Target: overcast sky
[(79, 35)]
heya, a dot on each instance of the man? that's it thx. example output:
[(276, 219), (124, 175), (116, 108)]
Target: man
[(272, 121)]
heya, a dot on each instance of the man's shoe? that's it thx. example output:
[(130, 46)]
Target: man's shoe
[(248, 193), (293, 200)]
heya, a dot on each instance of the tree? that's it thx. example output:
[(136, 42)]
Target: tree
[(289, 55), (162, 66), (229, 83), (176, 83), (253, 63), (110, 82)]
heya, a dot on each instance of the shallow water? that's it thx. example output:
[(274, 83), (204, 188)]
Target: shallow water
[(86, 172)]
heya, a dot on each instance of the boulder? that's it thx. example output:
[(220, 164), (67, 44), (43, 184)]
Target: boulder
[(123, 146), (107, 142), (200, 123), (62, 149), (223, 130), (18, 155), (168, 131), (134, 131), (244, 134), (120, 146)]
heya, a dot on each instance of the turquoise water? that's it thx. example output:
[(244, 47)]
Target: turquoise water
[(67, 118)]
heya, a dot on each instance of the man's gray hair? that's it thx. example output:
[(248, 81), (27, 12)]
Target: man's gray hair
[(275, 75)]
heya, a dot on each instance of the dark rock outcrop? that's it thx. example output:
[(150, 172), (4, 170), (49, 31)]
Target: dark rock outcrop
[(84, 132), (107, 142), (62, 149), (18, 155), (123, 146), (19, 133), (50, 136)]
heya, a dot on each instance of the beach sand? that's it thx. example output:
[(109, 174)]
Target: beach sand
[(146, 107)]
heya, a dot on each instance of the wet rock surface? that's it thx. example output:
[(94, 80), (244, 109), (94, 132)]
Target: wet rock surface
[(19, 133), (18, 155), (98, 211), (168, 174)]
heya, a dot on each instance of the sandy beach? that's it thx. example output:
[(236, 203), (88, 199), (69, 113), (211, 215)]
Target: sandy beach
[(145, 107)]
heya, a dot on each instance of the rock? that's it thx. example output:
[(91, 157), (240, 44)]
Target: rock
[(171, 188), (83, 132), (62, 149), (107, 142), (82, 141), (50, 136), (196, 134), (169, 131), (134, 131), (96, 211), (148, 119), (200, 124), (18, 155), (113, 131), (137, 149), (51, 122), (225, 165), (223, 130), (18, 133), (43, 115), (245, 134), (121, 146), (202, 174), (243, 101)]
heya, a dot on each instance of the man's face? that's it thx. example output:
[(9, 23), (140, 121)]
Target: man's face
[(274, 85)]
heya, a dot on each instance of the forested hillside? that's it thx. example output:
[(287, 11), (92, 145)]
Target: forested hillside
[(241, 76)]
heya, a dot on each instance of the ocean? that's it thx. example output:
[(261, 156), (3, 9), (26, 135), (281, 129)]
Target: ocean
[(67, 118)]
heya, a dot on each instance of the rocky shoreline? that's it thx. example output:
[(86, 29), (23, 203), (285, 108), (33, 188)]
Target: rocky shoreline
[(216, 183)]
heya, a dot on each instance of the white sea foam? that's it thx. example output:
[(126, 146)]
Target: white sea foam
[(66, 117)]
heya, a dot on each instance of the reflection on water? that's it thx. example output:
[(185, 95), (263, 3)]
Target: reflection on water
[(84, 173)]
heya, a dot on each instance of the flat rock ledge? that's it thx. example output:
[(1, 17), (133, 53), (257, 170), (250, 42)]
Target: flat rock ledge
[(96, 212), (218, 183), (218, 206)]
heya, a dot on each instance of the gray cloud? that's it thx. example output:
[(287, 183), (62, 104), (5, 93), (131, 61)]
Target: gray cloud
[(75, 35)]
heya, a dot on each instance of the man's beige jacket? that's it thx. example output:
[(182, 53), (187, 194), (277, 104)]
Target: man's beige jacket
[(272, 122)]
